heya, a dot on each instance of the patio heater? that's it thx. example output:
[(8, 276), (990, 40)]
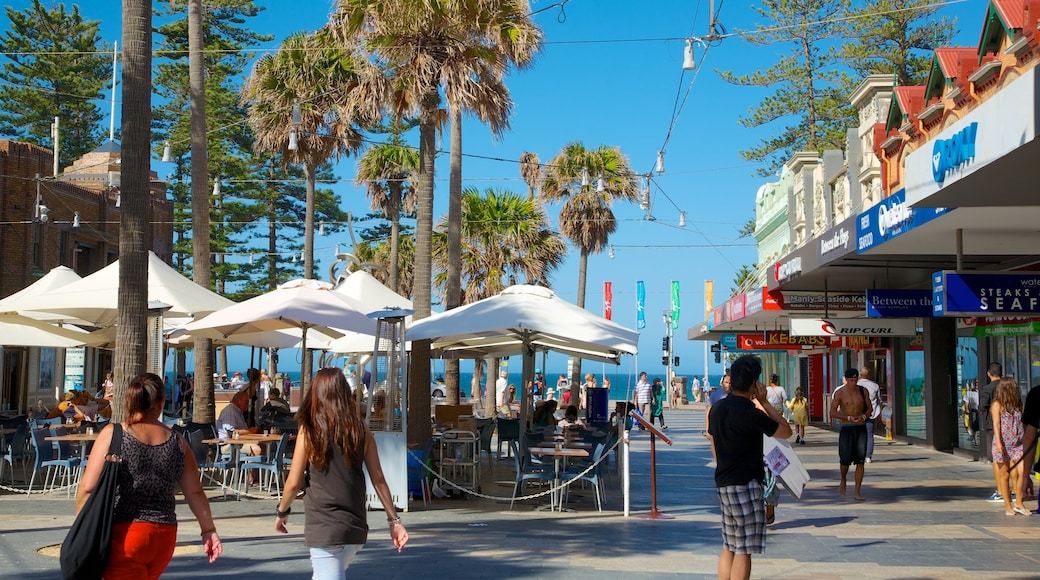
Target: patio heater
[(386, 408)]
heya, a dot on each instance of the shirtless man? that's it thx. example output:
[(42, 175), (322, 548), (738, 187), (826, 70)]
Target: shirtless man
[(850, 405)]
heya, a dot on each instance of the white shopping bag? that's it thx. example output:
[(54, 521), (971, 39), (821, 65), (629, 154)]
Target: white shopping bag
[(784, 462)]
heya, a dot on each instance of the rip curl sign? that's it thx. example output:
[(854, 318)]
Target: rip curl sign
[(952, 153)]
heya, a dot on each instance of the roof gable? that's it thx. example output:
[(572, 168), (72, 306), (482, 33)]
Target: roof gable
[(1003, 17), (905, 102)]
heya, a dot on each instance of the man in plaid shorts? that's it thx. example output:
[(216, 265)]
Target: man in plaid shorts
[(736, 427)]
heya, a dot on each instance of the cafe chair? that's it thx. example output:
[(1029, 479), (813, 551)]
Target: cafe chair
[(273, 466), (525, 472), (66, 461), (508, 430), (15, 451), (486, 431), (593, 476)]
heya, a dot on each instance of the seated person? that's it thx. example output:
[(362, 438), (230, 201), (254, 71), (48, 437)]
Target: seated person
[(544, 415), (506, 400), (232, 419), (275, 403), (66, 409), (621, 409), (570, 418)]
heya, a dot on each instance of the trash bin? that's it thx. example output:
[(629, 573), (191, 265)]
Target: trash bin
[(596, 404)]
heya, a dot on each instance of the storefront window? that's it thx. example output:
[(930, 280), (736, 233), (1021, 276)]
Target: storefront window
[(1034, 361), (916, 422)]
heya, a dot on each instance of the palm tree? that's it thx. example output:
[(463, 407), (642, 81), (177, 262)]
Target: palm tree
[(134, 225), (530, 171), (295, 106), (466, 46), (386, 171), (505, 238), (588, 182)]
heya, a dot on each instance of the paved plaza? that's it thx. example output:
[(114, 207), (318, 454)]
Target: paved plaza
[(925, 517)]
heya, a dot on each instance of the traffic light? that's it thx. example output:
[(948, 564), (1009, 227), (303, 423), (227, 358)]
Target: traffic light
[(675, 361), (718, 356), (665, 343), (664, 360)]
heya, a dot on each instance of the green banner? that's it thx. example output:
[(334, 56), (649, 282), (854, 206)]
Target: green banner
[(985, 327), (675, 304)]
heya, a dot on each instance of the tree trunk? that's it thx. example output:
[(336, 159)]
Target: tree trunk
[(135, 223), (576, 378), (308, 263), (453, 285), (200, 234), (419, 428), (396, 191)]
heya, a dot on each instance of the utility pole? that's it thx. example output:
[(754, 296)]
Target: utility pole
[(666, 349)]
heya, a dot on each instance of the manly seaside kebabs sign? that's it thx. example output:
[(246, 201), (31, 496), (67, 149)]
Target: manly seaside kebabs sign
[(956, 294)]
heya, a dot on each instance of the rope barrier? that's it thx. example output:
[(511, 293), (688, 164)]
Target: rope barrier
[(441, 478)]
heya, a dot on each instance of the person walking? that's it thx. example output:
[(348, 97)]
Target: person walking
[(736, 429), (776, 395), (657, 404), (986, 394), (850, 404), (1006, 413), (332, 445), (155, 461), (874, 393), (695, 386), (643, 395), (799, 408)]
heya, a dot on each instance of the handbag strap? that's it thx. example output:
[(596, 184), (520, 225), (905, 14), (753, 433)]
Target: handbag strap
[(115, 447)]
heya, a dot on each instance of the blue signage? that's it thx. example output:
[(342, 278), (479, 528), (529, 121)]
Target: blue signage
[(948, 154), (955, 294), (728, 342), (899, 303), (938, 294), (890, 218)]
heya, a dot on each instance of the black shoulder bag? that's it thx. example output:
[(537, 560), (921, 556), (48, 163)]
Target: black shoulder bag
[(84, 553)]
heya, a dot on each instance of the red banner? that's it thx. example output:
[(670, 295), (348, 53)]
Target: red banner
[(608, 300)]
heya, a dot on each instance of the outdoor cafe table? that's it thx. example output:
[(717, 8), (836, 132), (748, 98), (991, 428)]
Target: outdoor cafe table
[(236, 444), (558, 455), (80, 438)]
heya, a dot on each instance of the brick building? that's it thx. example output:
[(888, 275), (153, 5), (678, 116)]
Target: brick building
[(81, 231)]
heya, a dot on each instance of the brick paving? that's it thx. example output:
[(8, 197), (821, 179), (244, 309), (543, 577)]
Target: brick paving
[(925, 517)]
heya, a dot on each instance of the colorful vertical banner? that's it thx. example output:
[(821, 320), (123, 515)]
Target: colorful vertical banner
[(709, 297), (608, 300), (640, 305), (675, 304)]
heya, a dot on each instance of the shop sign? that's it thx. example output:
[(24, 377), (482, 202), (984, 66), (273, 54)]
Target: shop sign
[(899, 303), (784, 271), (852, 327), (780, 340), (890, 218), (1006, 326), (736, 308), (956, 294), (950, 154), (856, 342), (821, 301), (728, 342)]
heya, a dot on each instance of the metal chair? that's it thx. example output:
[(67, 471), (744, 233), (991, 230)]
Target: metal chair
[(486, 431), (593, 476), (15, 451), (274, 466), (525, 472)]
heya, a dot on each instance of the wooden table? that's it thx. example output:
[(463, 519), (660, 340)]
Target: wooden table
[(557, 455)]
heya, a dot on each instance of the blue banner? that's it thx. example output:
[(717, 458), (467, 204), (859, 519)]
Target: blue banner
[(956, 294), (890, 218), (728, 341), (640, 305), (899, 303)]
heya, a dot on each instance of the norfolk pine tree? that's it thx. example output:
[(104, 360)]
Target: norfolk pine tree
[(897, 37)]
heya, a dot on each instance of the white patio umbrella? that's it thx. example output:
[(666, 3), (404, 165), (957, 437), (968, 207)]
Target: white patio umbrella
[(364, 287), (95, 298), (300, 304), (522, 320), (11, 307), (37, 333)]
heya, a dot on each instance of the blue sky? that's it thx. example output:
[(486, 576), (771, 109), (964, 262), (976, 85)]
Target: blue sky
[(610, 73)]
